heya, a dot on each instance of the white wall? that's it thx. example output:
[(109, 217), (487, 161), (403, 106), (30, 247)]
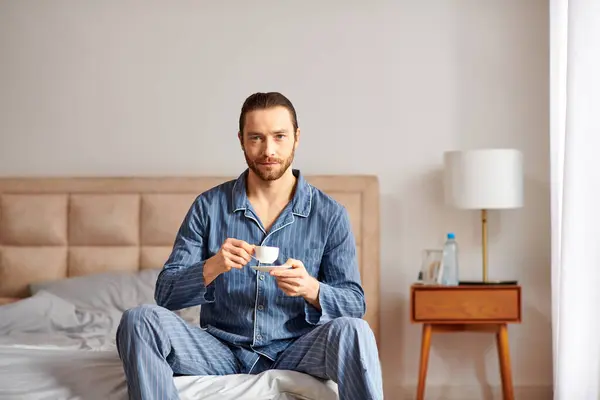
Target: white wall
[(381, 87)]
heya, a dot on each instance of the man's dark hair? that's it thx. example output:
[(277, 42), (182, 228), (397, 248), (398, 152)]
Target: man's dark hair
[(261, 101)]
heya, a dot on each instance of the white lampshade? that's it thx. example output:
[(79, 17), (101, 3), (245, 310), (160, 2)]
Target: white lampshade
[(484, 179)]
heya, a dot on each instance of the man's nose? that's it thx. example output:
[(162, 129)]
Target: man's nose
[(269, 149)]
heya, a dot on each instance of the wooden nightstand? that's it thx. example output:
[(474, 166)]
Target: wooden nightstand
[(470, 308)]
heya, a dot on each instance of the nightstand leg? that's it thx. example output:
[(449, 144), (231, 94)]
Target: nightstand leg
[(504, 357), (425, 343)]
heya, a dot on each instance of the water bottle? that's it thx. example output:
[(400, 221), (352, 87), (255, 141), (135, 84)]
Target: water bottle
[(450, 261)]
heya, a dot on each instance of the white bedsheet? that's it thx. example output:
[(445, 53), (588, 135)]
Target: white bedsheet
[(51, 350), (30, 373)]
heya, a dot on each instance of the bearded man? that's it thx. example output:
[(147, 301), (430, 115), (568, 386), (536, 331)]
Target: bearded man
[(305, 316)]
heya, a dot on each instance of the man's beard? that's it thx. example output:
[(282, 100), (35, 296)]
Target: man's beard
[(270, 173)]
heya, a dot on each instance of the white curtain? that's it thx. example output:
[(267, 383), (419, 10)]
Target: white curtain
[(575, 188)]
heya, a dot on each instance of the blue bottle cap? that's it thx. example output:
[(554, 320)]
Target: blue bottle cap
[(451, 235)]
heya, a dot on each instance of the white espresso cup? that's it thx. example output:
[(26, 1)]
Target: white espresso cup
[(266, 254)]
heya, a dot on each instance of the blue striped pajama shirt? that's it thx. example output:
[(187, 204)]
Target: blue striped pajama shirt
[(247, 324)]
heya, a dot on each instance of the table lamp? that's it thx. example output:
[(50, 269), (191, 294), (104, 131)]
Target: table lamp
[(484, 179)]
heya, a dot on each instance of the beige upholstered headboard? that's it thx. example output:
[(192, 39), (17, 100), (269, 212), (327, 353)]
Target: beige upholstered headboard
[(52, 228)]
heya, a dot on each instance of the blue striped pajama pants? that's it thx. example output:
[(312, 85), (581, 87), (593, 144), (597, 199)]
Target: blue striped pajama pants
[(154, 343)]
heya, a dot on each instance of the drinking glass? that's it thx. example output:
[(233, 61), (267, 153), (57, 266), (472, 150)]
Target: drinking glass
[(430, 267)]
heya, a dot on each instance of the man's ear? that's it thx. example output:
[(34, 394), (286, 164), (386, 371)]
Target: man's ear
[(297, 138), (241, 139)]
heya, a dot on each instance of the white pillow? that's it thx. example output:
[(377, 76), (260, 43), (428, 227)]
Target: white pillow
[(43, 312), (111, 292)]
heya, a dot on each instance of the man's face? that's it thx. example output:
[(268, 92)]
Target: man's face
[(268, 142)]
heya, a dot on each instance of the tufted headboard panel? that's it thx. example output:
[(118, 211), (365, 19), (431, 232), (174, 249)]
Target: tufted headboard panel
[(53, 228)]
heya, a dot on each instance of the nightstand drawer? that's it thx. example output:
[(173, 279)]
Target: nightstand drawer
[(439, 304)]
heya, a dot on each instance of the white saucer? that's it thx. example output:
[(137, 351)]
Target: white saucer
[(268, 268)]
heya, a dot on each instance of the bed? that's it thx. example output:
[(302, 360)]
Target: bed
[(76, 252)]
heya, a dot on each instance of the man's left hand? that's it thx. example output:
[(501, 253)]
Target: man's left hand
[(296, 281)]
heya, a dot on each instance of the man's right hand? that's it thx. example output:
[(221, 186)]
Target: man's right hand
[(234, 253)]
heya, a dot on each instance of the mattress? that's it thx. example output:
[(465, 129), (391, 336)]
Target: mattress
[(37, 372), (50, 349)]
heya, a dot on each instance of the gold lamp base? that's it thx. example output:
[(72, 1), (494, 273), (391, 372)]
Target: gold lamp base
[(484, 244), (485, 280)]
